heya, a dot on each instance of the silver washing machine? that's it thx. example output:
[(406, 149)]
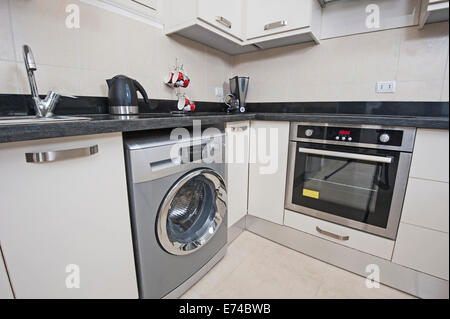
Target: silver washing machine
[(178, 208)]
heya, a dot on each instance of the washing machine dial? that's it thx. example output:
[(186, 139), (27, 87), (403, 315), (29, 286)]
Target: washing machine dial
[(384, 138)]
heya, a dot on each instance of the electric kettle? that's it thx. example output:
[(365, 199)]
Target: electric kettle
[(122, 95)]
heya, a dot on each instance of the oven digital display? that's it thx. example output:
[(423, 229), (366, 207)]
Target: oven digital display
[(344, 132)]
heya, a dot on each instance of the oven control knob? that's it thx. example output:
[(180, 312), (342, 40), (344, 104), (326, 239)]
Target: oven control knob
[(384, 138), (309, 132)]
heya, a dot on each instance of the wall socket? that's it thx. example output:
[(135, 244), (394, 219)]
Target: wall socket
[(219, 92), (386, 87)]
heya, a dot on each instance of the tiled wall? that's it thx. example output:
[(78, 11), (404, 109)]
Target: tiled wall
[(77, 61), (347, 68)]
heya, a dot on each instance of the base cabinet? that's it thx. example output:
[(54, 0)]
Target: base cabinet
[(267, 173), (368, 243), (237, 154), (422, 249), (65, 225), (423, 237)]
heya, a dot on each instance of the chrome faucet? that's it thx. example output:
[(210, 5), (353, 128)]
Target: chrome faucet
[(45, 107)]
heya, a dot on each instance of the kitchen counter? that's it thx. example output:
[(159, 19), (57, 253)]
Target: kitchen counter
[(108, 124)]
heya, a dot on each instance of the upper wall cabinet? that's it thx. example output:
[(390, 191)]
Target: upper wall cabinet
[(274, 23), (148, 9), (433, 11), (240, 26), (218, 24), (224, 15)]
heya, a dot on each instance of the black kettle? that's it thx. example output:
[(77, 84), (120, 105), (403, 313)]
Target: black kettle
[(122, 95)]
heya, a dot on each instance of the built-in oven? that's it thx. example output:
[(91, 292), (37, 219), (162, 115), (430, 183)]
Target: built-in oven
[(353, 175)]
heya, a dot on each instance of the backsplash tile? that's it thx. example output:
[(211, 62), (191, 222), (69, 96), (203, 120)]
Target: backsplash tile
[(347, 68), (78, 61), (7, 46)]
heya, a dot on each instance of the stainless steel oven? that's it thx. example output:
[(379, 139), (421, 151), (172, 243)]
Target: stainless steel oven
[(353, 175)]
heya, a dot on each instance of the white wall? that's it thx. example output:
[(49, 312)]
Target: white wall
[(347, 68), (77, 61)]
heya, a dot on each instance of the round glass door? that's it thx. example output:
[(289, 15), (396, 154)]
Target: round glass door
[(192, 212)]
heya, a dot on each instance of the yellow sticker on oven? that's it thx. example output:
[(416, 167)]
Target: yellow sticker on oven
[(310, 193)]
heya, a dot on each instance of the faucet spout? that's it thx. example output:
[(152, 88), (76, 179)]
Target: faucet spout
[(30, 66), (42, 107)]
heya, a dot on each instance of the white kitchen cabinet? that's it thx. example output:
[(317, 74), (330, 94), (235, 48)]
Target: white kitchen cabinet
[(422, 249), (423, 239), (433, 11), (274, 23), (274, 16), (426, 204), (267, 170), (147, 9), (237, 155), (362, 241), (65, 225), (237, 26), (431, 155), (224, 15), (5, 287), (218, 24)]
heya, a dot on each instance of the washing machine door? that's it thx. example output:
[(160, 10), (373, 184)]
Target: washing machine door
[(191, 212)]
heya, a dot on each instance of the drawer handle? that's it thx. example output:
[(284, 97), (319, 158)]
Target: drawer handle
[(335, 236), (275, 25), (224, 21), (53, 156), (239, 129)]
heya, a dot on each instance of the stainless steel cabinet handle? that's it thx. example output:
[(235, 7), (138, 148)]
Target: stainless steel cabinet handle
[(224, 21), (53, 156), (239, 129), (335, 236), (275, 25), (362, 157)]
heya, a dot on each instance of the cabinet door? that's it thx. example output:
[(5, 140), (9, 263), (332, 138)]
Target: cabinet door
[(422, 249), (65, 225), (267, 170), (237, 169), (431, 155), (224, 15), (5, 287), (426, 204), (146, 8), (265, 17)]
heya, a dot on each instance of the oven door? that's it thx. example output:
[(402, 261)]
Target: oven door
[(356, 187)]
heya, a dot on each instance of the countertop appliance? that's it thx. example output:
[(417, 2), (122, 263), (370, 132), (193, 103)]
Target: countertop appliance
[(178, 209), (122, 96), (235, 101), (353, 175)]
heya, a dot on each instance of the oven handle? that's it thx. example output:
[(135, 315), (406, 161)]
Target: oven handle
[(363, 157)]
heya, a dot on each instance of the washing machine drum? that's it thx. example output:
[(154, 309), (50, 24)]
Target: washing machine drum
[(192, 212)]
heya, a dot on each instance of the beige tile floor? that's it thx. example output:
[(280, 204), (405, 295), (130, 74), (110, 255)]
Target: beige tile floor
[(255, 267)]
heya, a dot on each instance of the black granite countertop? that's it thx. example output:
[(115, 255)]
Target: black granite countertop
[(108, 124)]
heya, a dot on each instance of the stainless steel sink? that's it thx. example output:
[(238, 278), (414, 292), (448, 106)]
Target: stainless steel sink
[(15, 120)]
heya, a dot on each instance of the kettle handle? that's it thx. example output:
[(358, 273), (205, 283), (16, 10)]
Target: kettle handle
[(141, 89)]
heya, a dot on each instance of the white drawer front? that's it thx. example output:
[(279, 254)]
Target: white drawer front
[(422, 249), (430, 157), (359, 240), (426, 204)]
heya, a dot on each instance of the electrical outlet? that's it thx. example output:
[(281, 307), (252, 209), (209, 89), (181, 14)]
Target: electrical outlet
[(386, 87), (219, 92)]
